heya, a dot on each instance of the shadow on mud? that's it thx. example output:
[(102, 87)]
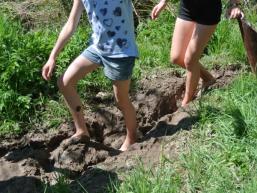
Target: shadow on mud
[(92, 181), (165, 129), (23, 184)]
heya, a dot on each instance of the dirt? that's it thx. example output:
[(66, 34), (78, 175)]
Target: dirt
[(40, 157)]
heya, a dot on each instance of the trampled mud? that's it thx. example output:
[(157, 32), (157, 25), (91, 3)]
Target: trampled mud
[(39, 157)]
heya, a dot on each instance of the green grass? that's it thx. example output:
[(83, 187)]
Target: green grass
[(163, 179), (60, 187), (154, 39), (222, 155), (25, 96), (226, 45)]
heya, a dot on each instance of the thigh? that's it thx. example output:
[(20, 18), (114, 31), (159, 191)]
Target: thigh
[(181, 36), (78, 69), (121, 90), (200, 37)]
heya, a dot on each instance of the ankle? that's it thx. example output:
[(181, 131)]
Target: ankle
[(185, 102), (131, 138), (82, 132)]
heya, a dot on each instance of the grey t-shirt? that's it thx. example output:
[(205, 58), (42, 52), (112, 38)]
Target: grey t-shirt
[(113, 27)]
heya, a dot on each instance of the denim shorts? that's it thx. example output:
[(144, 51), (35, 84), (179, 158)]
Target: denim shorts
[(114, 68)]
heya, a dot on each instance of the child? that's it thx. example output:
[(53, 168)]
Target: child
[(196, 22), (112, 46)]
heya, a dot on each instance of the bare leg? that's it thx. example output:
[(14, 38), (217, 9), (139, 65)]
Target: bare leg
[(121, 92), (67, 86), (198, 41), (182, 34)]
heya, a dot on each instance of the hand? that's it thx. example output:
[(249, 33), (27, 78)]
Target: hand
[(48, 68), (157, 9), (234, 13)]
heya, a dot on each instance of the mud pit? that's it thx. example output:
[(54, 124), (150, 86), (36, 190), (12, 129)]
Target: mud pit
[(40, 156)]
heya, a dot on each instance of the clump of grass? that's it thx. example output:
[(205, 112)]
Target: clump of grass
[(222, 156), (160, 179), (61, 186), (24, 93), (238, 122), (154, 40)]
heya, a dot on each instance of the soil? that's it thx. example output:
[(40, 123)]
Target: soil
[(39, 157)]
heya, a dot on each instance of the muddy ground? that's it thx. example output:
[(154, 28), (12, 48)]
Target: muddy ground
[(41, 156)]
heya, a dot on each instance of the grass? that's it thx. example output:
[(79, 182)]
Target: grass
[(25, 96), (150, 180), (225, 143), (26, 55), (60, 187), (222, 155), (154, 39)]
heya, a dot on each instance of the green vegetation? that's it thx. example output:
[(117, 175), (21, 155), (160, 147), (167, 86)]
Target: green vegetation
[(154, 38), (24, 94), (60, 187), (20, 62), (163, 179), (26, 98), (222, 156), (222, 49)]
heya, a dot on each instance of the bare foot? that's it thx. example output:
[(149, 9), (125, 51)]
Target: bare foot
[(128, 142), (78, 137), (184, 104), (79, 134)]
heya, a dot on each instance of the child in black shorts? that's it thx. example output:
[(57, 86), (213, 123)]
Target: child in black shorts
[(196, 22)]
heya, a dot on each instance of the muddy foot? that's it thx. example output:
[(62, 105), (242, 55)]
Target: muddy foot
[(75, 139), (127, 143)]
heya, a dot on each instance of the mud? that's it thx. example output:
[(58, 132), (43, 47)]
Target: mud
[(29, 162)]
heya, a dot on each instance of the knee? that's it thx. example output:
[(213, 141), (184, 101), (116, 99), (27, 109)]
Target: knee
[(190, 62), (176, 59), (62, 84)]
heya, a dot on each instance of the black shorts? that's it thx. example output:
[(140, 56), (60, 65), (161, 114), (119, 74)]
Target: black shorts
[(206, 12)]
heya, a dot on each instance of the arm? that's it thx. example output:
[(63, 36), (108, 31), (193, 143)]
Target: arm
[(234, 11), (158, 8), (64, 36)]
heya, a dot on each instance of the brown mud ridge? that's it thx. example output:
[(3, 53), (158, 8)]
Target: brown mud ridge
[(40, 157)]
